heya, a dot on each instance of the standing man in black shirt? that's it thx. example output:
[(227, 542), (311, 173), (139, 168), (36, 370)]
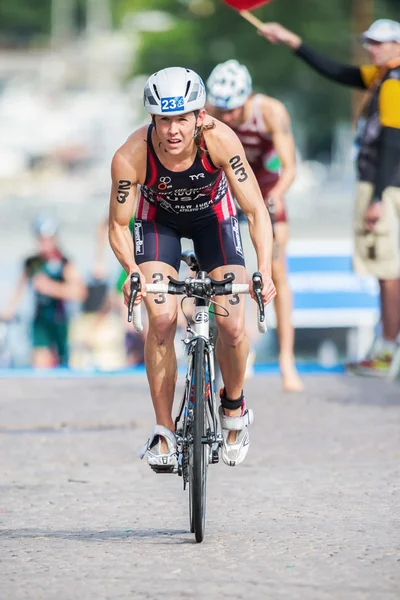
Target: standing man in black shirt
[(377, 213)]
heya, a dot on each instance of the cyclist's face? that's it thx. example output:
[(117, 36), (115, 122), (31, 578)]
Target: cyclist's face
[(47, 244), (382, 52), (233, 117), (176, 133)]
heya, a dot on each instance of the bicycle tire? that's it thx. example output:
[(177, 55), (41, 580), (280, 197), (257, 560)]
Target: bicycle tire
[(191, 520), (198, 464)]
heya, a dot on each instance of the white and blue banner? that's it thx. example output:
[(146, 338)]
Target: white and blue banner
[(326, 291)]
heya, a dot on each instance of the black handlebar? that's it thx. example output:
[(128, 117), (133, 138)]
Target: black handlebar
[(202, 286)]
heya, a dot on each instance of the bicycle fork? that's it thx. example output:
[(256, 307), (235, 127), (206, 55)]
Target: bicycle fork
[(213, 437)]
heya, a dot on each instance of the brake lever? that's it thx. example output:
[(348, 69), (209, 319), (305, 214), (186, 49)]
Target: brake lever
[(257, 288), (135, 289)]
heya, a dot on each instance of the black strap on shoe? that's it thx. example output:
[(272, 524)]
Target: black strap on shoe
[(231, 404)]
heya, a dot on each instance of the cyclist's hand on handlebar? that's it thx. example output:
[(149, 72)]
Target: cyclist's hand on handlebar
[(268, 291), (126, 288)]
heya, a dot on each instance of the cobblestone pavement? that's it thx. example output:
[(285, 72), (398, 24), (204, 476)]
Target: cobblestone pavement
[(312, 514)]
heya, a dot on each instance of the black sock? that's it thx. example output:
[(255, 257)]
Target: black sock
[(231, 404)]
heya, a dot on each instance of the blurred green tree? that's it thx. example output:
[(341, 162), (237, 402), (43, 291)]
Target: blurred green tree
[(207, 32), (22, 20)]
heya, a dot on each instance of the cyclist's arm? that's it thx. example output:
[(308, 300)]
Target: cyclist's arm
[(278, 123), (122, 207), (9, 312), (227, 152)]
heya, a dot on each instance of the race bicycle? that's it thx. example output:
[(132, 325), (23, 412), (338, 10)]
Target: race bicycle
[(197, 430)]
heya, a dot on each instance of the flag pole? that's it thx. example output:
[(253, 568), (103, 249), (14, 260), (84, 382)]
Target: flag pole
[(246, 14)]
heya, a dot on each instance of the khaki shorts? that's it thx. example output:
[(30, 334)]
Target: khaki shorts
[(377, 253)]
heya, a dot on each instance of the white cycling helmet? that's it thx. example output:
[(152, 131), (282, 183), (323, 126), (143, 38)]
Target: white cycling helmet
[(229, 85), (174, 91), (45, 226)]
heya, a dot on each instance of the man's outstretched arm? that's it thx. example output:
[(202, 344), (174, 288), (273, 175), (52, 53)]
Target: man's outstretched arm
[(341, 73)]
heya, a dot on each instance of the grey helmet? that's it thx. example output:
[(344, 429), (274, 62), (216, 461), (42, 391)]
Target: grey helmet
[(174, 91)]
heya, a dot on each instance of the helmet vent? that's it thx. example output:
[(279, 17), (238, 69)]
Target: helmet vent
[(187, 88), (156, 91), (193, 93)]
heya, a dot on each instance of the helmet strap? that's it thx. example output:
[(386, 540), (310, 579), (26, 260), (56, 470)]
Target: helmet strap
[(153, 120), (196, 129)]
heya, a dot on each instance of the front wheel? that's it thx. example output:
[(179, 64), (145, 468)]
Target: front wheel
[(198, 449)]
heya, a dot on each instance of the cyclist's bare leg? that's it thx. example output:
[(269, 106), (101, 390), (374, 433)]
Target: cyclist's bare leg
[(283, 309), (159, 351), (43, 358), (390, 308), (232, 348)]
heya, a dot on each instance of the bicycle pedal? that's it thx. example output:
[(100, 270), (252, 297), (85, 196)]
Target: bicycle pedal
[(214, 457), (160, 469)]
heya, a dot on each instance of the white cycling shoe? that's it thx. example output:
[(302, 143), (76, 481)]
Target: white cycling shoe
[(233, 453), (158, 461)]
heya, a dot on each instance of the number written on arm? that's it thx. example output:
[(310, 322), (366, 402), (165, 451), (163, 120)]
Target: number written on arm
[(124, 186), (238, 168)]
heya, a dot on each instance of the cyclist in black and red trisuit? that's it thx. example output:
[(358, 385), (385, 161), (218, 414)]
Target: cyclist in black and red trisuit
[(195, 204), (262, 124), (185, 163)]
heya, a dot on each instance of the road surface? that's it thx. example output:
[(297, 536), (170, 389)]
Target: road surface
[(312, 514)]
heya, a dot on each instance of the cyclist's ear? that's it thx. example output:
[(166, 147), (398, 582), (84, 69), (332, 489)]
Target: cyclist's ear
[(200, 116)]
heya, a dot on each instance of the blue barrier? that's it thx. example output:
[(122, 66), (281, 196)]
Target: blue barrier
[(65, 373), (326, 292)]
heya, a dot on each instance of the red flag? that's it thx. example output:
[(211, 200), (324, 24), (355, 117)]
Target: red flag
[(246, 4)]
